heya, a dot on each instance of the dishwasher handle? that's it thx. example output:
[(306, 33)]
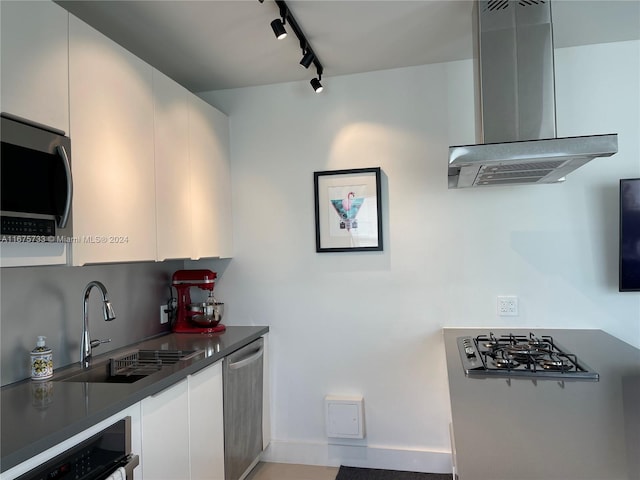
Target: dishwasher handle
[(248, 359)]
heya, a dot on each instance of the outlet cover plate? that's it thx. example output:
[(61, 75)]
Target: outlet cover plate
[(508, 306)]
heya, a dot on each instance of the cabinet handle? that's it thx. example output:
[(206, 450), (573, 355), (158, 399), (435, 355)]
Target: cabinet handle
[(67, 168), (247, 360)]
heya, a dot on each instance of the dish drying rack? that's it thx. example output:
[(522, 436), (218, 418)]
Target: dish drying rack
[(144, 362)]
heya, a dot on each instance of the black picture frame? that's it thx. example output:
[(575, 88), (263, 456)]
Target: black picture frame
[(348, 210)]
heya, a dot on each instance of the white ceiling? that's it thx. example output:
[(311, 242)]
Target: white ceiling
[(220, 44)]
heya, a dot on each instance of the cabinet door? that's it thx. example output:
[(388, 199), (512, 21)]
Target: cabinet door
[(35, 62), (165, 434), (206, 424), (210, 180), (111, 108), (173, 178)]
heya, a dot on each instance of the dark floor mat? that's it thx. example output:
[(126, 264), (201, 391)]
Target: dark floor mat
[(353, 473)]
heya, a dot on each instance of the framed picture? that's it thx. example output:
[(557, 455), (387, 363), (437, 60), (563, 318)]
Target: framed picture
[(348, 210)]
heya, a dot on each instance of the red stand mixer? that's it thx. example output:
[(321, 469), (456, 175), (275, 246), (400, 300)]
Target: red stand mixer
[(193, 317)]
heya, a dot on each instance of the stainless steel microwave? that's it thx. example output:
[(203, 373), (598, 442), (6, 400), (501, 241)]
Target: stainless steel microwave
[(36, 185)]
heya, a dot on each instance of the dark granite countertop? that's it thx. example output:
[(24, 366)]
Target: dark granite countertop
[(549, 429), (38, 415)]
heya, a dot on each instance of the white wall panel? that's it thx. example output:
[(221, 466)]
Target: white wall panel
[(369, 323)]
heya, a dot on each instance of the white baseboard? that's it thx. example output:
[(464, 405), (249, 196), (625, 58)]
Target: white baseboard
[(366, 456)]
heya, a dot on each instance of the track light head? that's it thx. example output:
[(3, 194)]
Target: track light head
[(307, 59), (317, 86), (278, 29)]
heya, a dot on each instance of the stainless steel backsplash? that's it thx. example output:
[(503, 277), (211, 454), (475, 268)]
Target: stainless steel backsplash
[(48, 301)]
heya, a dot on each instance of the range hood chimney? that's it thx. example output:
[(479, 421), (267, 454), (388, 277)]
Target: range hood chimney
[(517, 93)]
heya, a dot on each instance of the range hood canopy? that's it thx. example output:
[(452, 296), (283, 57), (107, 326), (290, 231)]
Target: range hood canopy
[(517, 93)]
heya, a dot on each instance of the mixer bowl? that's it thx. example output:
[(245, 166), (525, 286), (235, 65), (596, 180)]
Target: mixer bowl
[(206, 314)]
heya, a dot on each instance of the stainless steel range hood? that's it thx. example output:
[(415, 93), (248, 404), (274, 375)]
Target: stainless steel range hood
[(517, 93)]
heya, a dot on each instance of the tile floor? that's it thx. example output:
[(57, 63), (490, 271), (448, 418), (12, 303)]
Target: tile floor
[(285, 471)]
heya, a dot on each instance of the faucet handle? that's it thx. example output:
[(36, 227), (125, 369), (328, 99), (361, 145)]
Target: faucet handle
[(95, 343)]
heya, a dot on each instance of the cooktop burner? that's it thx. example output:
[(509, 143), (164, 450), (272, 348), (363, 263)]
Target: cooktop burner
[(520, 355)]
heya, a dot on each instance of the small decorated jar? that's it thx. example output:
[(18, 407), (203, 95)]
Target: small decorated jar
[(41, 361)]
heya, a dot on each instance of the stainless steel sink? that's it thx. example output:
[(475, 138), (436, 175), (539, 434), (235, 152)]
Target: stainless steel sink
[(129, 367), (101, 374)]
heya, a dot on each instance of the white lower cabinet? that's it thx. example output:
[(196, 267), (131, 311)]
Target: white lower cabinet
[(182, 429), (206, 424), (165, 434)]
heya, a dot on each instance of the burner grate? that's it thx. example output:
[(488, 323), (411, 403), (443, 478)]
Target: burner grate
[(520, 355)]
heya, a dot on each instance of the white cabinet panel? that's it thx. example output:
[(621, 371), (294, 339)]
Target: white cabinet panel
[(182, 429), (111, 120), (165, 434), (35, 62), (34, 84), (266, 396), (29, 254), (210, 180), (193, 183), (206, 424), (173, 178)]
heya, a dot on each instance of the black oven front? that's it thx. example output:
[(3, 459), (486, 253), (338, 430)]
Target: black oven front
[(105, 456)]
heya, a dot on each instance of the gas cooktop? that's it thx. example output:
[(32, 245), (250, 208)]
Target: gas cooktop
[(520, 355)]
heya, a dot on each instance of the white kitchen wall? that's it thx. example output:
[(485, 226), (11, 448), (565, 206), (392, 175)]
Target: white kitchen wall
[(370, 323)]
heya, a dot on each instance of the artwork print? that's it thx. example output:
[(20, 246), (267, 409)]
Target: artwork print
[(347, 205), (348, 210)]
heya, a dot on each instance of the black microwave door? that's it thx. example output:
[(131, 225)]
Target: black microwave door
[(32, 181)]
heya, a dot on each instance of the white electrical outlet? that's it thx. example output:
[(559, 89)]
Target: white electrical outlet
[(164, 314), (508, 306)]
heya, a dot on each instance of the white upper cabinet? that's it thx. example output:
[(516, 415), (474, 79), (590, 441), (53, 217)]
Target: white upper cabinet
[(150, 160), (34, 84), (173, 177), (111, 125), (210, 180), (35, 62), (193, 183)]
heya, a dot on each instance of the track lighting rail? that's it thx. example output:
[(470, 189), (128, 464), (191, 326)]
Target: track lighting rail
[(308, 54), (304, 44)]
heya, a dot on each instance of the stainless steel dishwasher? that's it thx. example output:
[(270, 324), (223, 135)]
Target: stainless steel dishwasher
[(242, 393)]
